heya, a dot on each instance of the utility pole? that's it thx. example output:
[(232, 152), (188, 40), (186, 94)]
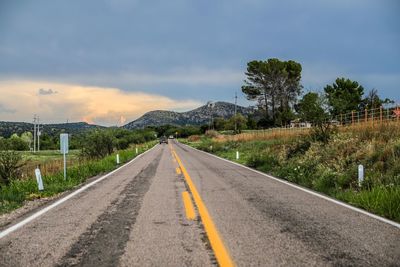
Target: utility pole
[(34, 133), (210, 105), (235, 112), (38, 134)]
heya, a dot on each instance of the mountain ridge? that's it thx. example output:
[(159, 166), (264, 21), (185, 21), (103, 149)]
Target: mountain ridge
[(197, 116), (7, 128)]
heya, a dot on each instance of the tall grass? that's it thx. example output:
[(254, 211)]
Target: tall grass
[(277, 133), (382, 200)]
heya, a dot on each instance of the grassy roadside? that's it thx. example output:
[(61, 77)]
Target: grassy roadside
[(46, 155), (14, 195), (329, 168)]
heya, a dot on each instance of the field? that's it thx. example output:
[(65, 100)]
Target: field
[(49, 161), (329, 167)]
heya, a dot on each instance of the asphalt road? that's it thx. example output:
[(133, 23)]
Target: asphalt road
[(137, 217)]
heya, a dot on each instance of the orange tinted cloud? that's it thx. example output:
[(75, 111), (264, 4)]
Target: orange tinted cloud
[(58, 102)]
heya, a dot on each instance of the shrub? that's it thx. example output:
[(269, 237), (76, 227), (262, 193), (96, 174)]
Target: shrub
[(323, 132), (263, 161), (298, 148), (97, 144), (194, 138), (10, 164), (325, 180), (212, 133)]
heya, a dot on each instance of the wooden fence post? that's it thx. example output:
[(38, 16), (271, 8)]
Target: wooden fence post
[(352, 117), (381, 115), (372, 116)]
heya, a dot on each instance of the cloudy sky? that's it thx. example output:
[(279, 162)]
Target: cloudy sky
[(109, 61)]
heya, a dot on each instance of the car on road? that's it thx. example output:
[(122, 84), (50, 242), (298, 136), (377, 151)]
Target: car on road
[(171, 137), (164, 140)]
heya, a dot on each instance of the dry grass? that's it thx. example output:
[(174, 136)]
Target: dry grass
[(278, 133), (374, 129), (366, 130), (194, 138), (49, 167)]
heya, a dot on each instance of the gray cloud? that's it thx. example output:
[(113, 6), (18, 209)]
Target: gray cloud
[(47, 91), (151, 46), (5, 109)]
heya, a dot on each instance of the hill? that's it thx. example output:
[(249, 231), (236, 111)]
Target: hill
[(197, 116), (8, 128)]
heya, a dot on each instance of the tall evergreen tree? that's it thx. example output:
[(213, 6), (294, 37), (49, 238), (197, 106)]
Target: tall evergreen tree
[(344, 96), (275, 84)]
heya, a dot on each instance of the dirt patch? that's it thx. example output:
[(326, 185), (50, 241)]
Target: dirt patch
[(104, 242)]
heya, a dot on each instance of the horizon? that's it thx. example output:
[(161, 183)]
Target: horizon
[(124, 58), (67, 122)]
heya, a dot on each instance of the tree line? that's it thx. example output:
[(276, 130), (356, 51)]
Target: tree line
[(119, 138), (276, 88)]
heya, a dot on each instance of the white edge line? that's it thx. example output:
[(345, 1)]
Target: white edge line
[(15, 227), (340, 203)]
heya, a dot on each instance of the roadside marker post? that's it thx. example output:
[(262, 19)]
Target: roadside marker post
[(136, 150), (360, 174), (237, 155), (118, 159), (64, 151), (39, 179)]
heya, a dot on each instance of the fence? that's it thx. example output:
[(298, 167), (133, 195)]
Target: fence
[(370, 117), (377, 115)]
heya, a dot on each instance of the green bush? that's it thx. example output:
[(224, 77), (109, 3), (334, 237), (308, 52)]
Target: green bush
[(298, 148), (10, 163), (265, 162), (97, 144), (325, 180)]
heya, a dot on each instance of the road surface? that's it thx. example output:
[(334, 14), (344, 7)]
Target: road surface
[(142, 215)]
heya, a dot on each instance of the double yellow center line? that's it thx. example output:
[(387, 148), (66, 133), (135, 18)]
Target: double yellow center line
[(217, 245)]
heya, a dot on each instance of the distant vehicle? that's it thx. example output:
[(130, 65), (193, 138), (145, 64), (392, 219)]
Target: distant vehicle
[(164, 140), (171, 137)]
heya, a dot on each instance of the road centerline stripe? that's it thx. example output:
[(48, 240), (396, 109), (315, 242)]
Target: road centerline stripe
[(189, 208), (221, 253)]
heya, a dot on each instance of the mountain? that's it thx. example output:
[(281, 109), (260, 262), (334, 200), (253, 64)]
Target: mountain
[(197, 116), (8, 128)]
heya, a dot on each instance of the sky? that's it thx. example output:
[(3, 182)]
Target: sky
[(109, 61)]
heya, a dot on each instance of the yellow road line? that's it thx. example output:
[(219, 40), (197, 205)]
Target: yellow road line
[(190, 214), (217, 245), (178, 170)]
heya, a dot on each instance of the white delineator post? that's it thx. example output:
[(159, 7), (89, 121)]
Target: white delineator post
[(39, 179), (237, 155), (137, 151), (360, 174), (64, 151), (117, 158)]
